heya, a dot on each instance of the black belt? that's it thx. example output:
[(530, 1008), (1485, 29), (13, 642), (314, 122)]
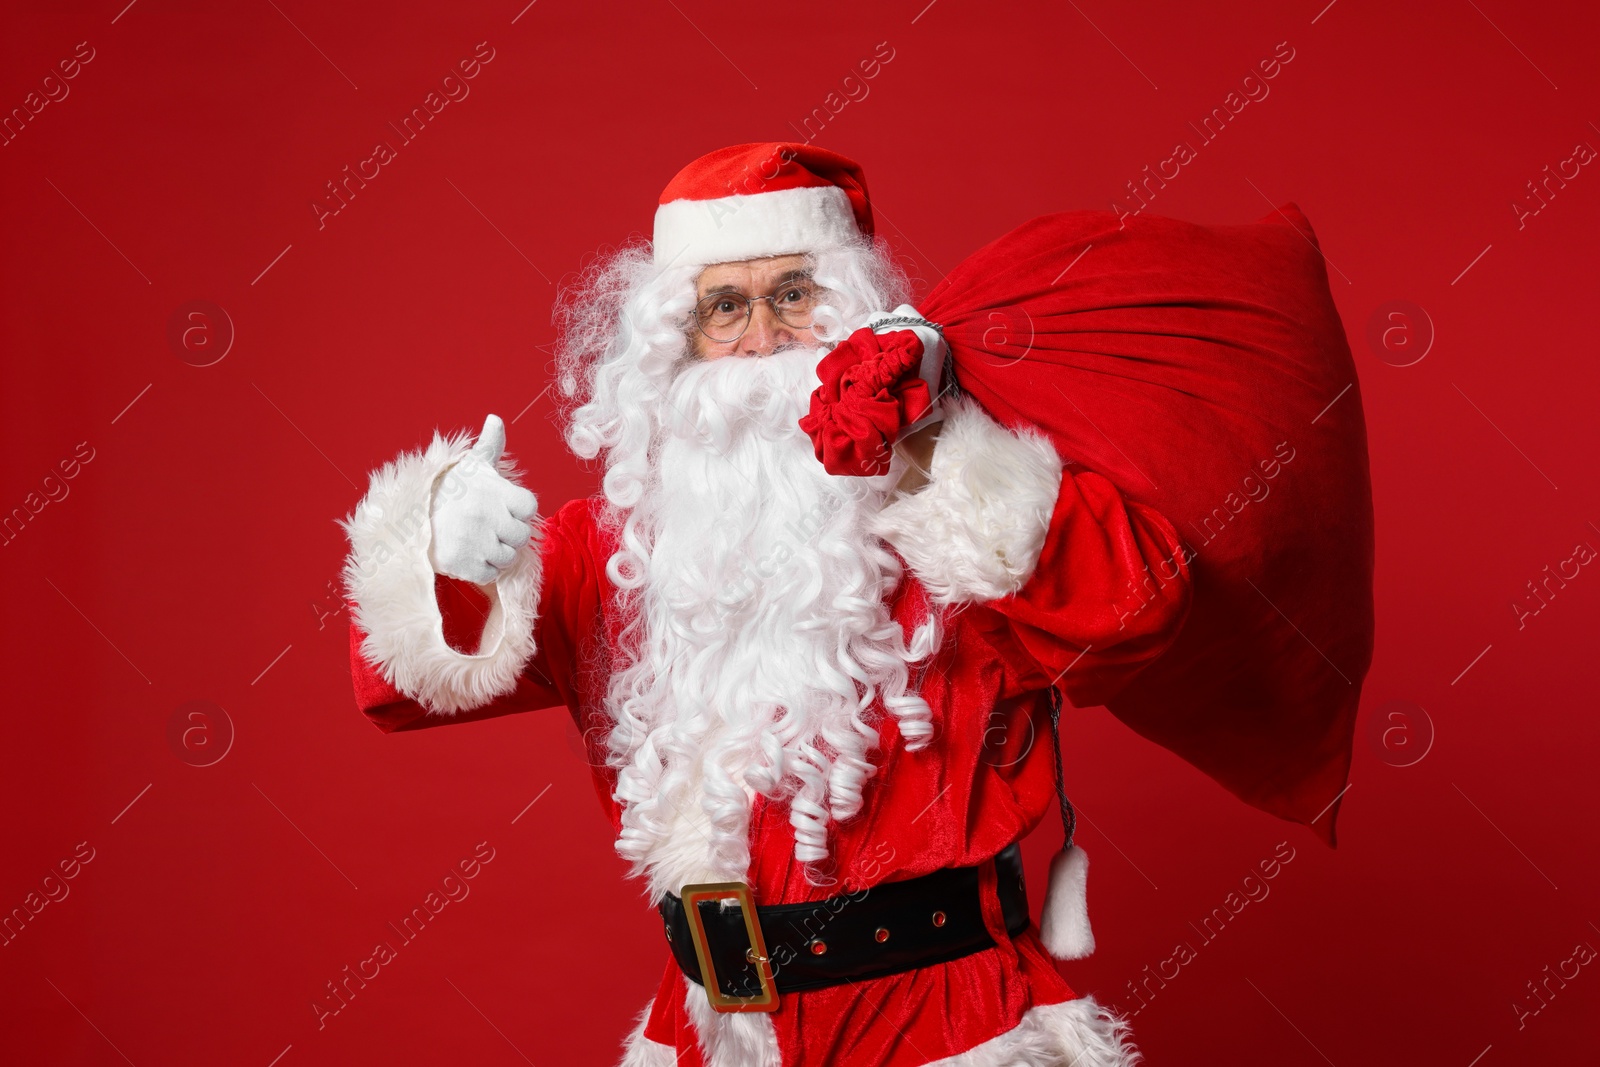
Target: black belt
[(880, 930)]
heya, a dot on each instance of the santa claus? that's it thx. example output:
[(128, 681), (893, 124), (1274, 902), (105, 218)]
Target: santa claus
[(810, 699)]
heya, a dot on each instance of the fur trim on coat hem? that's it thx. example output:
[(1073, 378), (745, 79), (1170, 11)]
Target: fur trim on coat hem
[(1073, 1033), (640, 1051)]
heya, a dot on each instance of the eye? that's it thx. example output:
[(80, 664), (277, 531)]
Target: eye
[(725, 307), (793, 295)]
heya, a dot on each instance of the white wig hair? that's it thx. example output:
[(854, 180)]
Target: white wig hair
[(625, 337), (625, 331)]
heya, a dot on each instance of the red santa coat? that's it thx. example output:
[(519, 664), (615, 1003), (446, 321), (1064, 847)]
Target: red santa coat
[(1043, 573)]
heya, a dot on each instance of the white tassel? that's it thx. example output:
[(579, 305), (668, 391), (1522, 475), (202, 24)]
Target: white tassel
[(1064, 925)]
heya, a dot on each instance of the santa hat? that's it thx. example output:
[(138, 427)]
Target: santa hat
[(753, 200)]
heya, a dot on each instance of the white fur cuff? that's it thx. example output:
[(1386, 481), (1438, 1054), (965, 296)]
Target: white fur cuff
[(975, 531), (391, 585)]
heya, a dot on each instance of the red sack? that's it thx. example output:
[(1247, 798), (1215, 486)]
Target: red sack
[(1205, 372)]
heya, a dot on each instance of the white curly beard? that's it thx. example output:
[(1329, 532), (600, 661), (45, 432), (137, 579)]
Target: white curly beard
[(766, 639)]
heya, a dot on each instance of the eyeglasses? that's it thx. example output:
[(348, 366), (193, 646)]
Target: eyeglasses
[(724, 317)]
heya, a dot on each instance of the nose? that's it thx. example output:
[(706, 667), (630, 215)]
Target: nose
[(766, 331)]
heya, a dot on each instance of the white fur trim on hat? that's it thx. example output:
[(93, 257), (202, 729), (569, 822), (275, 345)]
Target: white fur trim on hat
[(975, 531), (729, 228), (390, 583)]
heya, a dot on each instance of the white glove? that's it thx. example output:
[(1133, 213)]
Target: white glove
[(479, 517), (934, 351)]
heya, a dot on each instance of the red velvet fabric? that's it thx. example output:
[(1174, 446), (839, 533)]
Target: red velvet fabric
[(770, 167), (982, 783), (869, 392), (1204, 371)]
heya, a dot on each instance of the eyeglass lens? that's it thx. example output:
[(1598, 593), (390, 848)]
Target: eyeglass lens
[(725, 316)]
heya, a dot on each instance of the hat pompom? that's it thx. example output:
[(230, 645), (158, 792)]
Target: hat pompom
[(1064, 926)]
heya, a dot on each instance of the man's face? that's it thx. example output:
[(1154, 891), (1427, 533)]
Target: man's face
[(753, 278)]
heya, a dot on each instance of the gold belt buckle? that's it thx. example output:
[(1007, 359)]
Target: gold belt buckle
[(692, 896)]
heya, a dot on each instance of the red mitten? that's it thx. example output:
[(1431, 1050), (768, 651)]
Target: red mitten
[(871, 390)]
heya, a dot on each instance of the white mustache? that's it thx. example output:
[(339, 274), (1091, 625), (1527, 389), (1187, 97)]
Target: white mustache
[(716, 400)]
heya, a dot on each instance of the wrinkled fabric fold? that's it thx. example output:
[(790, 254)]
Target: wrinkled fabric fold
[(870, 391)]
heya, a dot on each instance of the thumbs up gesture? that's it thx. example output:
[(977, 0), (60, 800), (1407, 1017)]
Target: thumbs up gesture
[(479, 517)]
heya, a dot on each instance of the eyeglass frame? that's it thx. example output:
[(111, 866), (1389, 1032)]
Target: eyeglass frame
[(750, 308)]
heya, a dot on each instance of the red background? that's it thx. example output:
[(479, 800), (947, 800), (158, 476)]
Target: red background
[(193, 553)]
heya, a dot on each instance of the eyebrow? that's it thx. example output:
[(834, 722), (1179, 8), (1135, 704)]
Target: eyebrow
[(798, 274)]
